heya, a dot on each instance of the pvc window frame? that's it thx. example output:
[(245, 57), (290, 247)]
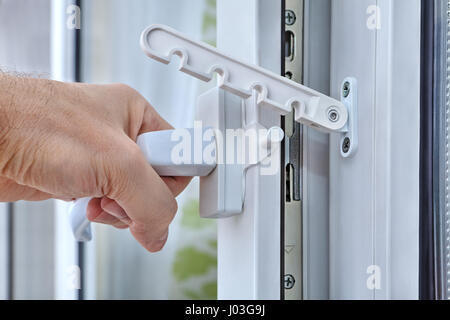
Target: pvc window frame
[(374, 197)]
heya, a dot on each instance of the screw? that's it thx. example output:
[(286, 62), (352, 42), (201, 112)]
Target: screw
[(346, 89), (290, 17), (333, 115), (289, 281), (289, 75), (346, 145)]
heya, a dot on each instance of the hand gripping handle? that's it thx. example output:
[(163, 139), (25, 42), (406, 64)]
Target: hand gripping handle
[(160, 149)]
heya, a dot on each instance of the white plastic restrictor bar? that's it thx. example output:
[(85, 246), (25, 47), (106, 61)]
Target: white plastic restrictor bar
[(160, 149), (201, 60)]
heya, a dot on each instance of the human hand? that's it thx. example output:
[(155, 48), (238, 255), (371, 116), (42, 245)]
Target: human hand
[(67, 141)]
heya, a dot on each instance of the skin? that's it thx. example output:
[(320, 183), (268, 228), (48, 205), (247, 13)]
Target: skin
[(68, 141)]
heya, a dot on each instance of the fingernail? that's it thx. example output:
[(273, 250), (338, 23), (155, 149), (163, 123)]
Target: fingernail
[(126, 220), (158, 245)]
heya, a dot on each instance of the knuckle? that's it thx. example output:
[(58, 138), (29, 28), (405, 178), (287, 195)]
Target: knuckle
[(124, 88), (131, 96), (134, 97)]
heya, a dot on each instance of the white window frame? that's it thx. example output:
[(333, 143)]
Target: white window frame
[(374, 197), (373, 221), (4, 249), (63, 69)]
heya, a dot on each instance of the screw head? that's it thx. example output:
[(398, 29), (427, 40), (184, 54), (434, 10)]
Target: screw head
[(346, 89), (289, 281), (289, 75), (289, 17), (333, 115), (346, 144)]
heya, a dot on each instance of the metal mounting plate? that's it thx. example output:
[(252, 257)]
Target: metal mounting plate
[(349, 97)]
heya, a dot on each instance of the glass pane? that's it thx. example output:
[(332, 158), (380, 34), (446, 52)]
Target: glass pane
[(25, 51), (186, 268)]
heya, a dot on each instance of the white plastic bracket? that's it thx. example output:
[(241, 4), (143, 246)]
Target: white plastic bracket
[(201, 60), (241, 144)]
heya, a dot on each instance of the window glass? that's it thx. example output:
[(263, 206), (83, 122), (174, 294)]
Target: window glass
[(186, 268), (27, 248)]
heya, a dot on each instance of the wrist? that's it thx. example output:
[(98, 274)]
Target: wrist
[(6, 99), (23, 103)]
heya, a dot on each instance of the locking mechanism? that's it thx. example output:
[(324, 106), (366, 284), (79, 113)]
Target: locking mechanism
[(226, 141)]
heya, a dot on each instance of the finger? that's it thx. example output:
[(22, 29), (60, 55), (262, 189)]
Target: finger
[(105, 218), (121, 226), (93, 209), (152, 121), (95, 213), (160, 243), (113, 208), (177, 184), (145, 198)]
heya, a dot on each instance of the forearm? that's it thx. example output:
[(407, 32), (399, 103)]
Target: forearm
[(8, 112), (6, 98)]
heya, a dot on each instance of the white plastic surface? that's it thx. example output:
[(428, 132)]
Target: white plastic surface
[(81, 226), (374, 196), (202, 61), (222, 192), (157, 148)]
